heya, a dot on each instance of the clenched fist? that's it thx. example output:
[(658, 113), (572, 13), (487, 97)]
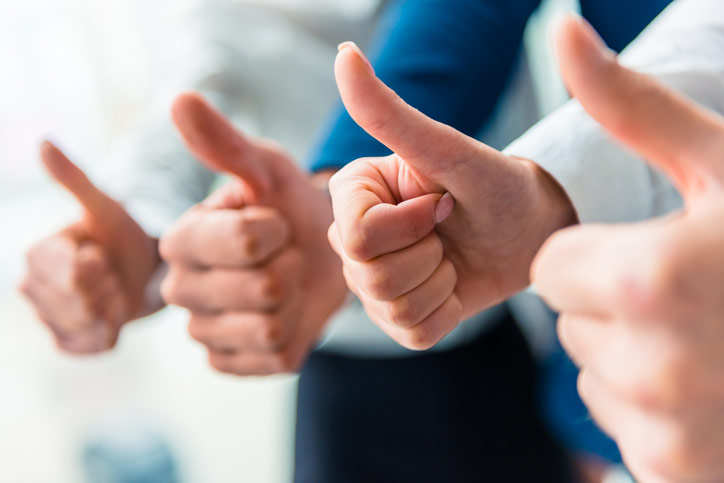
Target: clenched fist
[(443, 228), (642, 306), (89, 279), (251, 263)]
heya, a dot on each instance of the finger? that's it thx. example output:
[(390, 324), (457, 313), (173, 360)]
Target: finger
[(583, 337), (53, 260), (429, 331), (608, 411), (215, 142), (245, 331), (645, 439), (91, 265), (102, 209), (225, 238), (381, 112), (415, 306), (92, 340), (598, 270), (287, 359), (390, 276), (261, 288), (68, 313), (682, 138), (369, 226)]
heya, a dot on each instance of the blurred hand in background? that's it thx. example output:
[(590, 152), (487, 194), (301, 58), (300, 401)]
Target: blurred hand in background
[(90, 278), (642, 306), (251, 262)]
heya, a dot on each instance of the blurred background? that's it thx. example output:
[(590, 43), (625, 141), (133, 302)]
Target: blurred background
[(83, 72)]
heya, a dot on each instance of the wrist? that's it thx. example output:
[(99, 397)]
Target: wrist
[(553, 206)]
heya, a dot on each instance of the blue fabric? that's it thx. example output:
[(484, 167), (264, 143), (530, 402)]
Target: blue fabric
[(452, 59), (566, 415), (449, 58)]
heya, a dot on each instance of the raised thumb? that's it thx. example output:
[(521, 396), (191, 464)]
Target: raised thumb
[(668, 130), (216, 143)]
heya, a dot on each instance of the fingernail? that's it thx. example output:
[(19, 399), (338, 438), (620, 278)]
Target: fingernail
[(359, 52), (444, 207)]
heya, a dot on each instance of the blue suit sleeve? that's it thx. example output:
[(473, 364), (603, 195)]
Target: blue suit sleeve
[(451, 59)]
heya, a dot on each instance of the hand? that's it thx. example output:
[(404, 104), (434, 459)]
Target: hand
[(642, 306), (252, 262), (440, 230), (90, 278)]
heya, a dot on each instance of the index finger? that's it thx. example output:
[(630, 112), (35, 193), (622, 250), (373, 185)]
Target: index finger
[(596, 269), (370, 222), (225, 238)]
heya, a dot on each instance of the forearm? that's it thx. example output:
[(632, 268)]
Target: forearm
[(605, 182)]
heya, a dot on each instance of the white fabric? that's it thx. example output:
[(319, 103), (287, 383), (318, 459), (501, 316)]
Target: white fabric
[(683, 48), (243, 54), (266, 64)]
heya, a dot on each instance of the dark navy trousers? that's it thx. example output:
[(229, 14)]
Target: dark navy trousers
[(464, 415)]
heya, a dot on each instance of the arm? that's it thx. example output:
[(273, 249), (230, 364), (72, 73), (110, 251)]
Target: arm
[(425, 54), (641, 304), (604, 181)]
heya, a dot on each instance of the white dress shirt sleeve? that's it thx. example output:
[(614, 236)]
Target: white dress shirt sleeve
[(683, 48), (265, 64)]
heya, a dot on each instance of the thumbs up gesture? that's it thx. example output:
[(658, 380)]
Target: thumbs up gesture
[(89, 279), (642, 306), (443, 228), (251, 262)]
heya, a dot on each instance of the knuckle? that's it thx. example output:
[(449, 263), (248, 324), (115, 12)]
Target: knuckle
[(377, 283), (171, 288), (401, 312), (673, 453), (219, 362), (196, 331), (418, 338), (659, 386), (359, 243), (167, 245), (272, 289), (669, 380), (642, 390), (272, 332), (245, 239), (647, 292), (564, 328)]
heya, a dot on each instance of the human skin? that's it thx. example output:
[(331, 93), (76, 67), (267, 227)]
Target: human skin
[(89, 279), (642, 305), (443, 228), (251, 262)]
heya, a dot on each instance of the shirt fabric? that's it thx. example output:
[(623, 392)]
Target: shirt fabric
[(452, 59)]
